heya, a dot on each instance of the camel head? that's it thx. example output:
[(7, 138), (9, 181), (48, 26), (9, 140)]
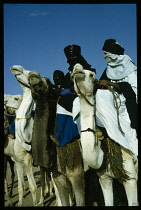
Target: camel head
[(12, 102), (83, 80), (21, 75), (40, 86)]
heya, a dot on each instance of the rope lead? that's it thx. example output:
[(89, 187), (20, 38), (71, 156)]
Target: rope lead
[(116, 106)]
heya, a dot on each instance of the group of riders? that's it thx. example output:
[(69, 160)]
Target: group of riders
[(120, 74)]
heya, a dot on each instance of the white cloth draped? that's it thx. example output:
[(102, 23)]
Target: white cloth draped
[(24, 122), (61, 110), (108, 117), (118, 66)]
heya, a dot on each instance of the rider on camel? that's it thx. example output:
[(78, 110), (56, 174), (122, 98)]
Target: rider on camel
[(121, 73), (66, 129)]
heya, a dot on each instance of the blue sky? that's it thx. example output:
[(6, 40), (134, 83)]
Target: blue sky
[(35, 36)]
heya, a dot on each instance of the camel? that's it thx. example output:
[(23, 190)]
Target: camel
[(92, 153), (16, 149), (42, 147), (11, 104), (67, 174), (24, 128)]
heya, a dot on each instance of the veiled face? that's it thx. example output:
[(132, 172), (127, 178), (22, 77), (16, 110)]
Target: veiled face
[(110, 57)]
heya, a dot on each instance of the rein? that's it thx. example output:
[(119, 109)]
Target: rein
[(12, 115), (22, 118), (89, 130), (83, 94), (23, 83), (116, 106)]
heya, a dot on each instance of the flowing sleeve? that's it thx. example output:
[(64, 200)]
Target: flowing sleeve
[(131, 104)]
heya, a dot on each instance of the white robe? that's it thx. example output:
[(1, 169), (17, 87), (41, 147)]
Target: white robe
[(107, 114)]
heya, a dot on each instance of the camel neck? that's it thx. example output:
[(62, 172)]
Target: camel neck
[(87, 114), (92, 154)]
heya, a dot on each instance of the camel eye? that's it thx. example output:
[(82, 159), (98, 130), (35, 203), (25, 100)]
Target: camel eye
[(91, 75)]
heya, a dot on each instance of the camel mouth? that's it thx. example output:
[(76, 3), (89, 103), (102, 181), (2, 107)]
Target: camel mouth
[(77, 74), (16, 71)]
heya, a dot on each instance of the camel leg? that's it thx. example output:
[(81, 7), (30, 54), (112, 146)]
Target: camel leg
[(62, 188), (40, 203), (29, 172), (78, 185), (8, 197), (11, 163), (7, 193), (19, 169), (6, 183), (131, 184), (131, 192), (49, 185), (107, 189), (45, 185), (58, 200)]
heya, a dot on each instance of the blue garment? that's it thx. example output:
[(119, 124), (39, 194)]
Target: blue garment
[(66, 129), (66, 91), (11, 127)]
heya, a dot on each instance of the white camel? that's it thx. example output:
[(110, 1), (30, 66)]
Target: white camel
[(91, 146), (24, 127), (11, 104), (23, 131)]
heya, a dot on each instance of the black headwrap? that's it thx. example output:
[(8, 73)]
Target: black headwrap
[(73, 54), (112, 46)]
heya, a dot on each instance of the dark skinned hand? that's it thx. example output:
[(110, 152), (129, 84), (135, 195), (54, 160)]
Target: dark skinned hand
[(106, 82)]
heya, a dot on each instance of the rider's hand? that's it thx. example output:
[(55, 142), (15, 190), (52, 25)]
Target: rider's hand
[(104, 82)]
